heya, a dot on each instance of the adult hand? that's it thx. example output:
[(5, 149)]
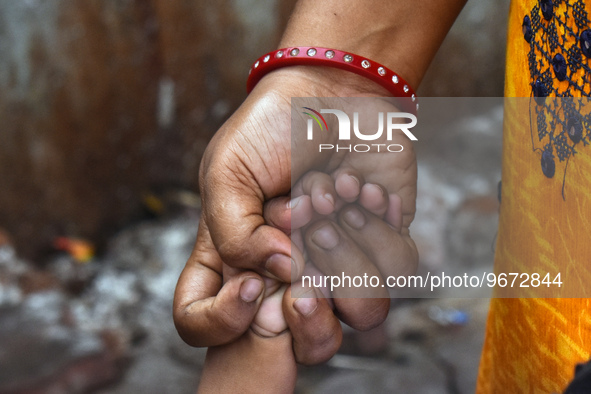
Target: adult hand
[(247, 163)]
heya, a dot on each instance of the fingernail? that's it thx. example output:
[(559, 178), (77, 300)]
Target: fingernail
[(251, 289), (279, 265), (354, 178), (354, 218), (294, 202), (376, 187), (305, 306), (326, 237), (329, 198)]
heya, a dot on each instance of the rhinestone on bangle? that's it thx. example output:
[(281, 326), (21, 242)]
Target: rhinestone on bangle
[(332, 58)]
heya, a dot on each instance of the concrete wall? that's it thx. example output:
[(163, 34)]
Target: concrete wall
[(104, 100)]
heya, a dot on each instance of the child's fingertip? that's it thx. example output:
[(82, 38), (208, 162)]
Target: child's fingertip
[(374, 188), (356, 180), (348, 187)]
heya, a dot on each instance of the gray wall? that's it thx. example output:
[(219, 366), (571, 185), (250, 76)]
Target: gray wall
[(102, 101)]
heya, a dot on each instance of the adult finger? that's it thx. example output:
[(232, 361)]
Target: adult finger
[(316, 331), (248, 162), (234, 191), (281, 212), (288, 214), (206, 311)]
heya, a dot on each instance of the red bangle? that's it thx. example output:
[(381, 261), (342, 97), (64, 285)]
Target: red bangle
[(315, 56)]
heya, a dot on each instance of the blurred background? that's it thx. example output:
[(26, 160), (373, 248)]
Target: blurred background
[(106, 107)]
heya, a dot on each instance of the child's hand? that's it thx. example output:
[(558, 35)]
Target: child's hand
[(329, 193), (318, 196), (269, 320)]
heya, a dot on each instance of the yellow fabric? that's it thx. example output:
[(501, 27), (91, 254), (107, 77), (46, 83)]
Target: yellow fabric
[(532, 345)]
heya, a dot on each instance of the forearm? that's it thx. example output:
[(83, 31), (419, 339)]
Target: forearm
[(404, 35), (250, 365)]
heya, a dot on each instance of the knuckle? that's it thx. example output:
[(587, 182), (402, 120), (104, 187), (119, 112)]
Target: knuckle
[(320, 349), (232, 252), (187, 333), (230, 324)]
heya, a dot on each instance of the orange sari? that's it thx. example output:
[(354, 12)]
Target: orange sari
[(533, 344)]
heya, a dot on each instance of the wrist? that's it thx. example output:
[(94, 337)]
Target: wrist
[(402, 35), (368, 47), (251, 364)]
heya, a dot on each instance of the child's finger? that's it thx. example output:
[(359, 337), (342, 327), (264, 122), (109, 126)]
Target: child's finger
[(320, 187), (394, 213), (316, 331), (374, 198), (348, 183), (392, 251), (269, 321), (297, 240), (289, 215), (337, 256)]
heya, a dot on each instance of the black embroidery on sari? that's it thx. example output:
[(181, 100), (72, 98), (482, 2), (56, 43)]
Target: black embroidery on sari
[(558, 35)]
